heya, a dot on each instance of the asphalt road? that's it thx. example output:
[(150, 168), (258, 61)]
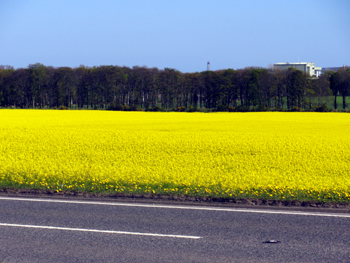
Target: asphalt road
[(122, 232)]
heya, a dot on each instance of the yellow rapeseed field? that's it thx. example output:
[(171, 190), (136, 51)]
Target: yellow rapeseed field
[(263, 155)]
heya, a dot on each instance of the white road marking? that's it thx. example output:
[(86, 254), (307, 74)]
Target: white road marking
[(205, 208), (99, 231)]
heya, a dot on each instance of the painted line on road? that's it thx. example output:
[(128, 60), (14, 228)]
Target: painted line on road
[(99, 231), (205, 208)]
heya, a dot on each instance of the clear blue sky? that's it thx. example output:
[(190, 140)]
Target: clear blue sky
[(180, 34)]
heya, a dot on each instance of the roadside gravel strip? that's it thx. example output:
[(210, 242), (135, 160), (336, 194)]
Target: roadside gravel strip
[(186, 207), (176, 199)]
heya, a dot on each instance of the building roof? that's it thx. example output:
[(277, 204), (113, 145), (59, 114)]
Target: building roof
[(286, 63)]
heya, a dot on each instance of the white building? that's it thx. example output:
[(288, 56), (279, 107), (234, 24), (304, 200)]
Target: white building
[(307, 67)]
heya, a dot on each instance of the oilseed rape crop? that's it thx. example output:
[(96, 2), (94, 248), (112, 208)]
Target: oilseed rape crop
[(272, 155)]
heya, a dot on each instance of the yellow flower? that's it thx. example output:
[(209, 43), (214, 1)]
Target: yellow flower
[(223, 153)]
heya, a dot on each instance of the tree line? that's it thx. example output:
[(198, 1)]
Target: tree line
[(142, 88)]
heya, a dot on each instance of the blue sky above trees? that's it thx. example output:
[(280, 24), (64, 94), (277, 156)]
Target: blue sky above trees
[(177, 34)]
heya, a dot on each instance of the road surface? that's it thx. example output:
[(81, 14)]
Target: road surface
[(51, 230)]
